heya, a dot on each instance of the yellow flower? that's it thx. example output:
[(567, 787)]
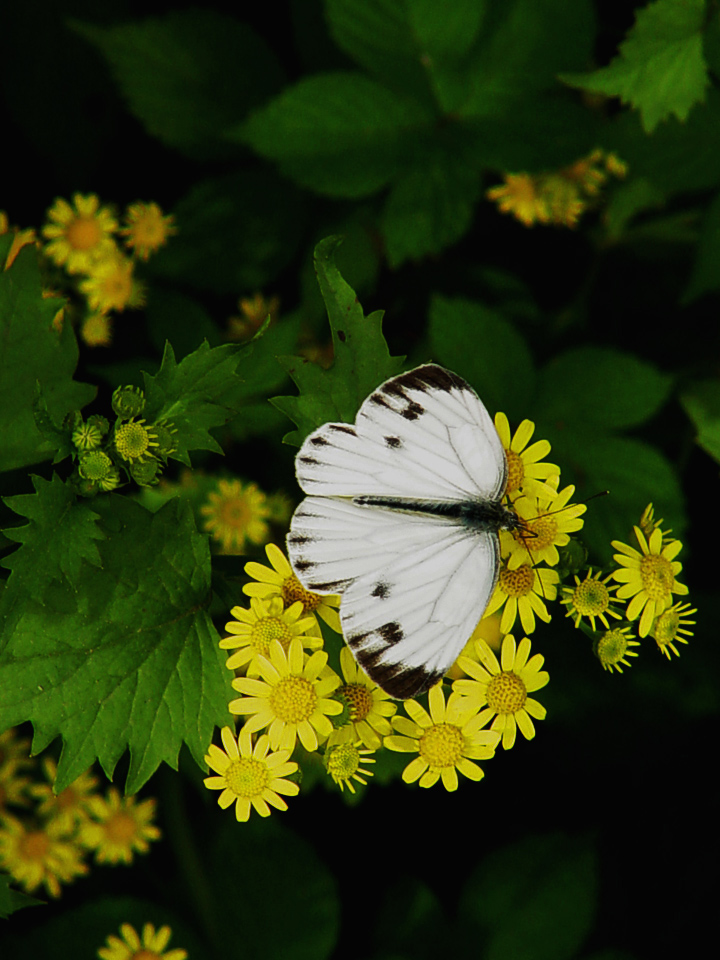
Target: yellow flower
[(590, 598), (520, 196), (134, 441), (280, 581), (69, 807), (503, 690), (79, 235), (96, 330), (131, 947), (236, 515), (249, 777), (370, 707), (146, 229), (111, 285), (648, 576), (255, 311), (35, 856), (522, 589), (291, 699), (612, 648), (547, 525), (669, 627), (446, 740), (253, 630), (120, 827), (526, 471), (15, 751), (343, 762)]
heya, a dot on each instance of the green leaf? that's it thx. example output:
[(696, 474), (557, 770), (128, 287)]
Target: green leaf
[(602, 387), (200, 392), (534, 899), (61, 534), (32, 352), (128, 657), (705, 275), (13, 900), (362, 358), (499, 365), (189, 75), (701, 403), (627, 200), (660, 68), (340, 134)]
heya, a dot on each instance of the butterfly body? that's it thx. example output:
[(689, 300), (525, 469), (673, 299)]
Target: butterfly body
[(402, 519)]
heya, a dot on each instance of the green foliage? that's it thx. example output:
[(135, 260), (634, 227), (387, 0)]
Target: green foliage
[(13, 900), (660, 69), (701, 402)]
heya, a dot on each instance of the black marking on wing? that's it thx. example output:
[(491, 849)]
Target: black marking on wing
[(342, 428), (391, 632), (331, 586), (303, 565), (318, 441), (430, 375), (298, 540), (397, 680), (381, 591), (412, 411), (393, 442)]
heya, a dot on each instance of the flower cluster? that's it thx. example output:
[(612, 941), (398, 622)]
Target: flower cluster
[(150, 946), (556, 197), (131, 447), (46, 838)]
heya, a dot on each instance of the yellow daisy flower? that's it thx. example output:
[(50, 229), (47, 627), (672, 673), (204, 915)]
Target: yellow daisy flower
[(547, 524), (591, 597), (79, 235), (134, 441), (120, 826), (291, 699), (280, 581), (522, 589), (236, 515), (647, 576), (370, 707), (132, 947), (15, 751), (14, 790), (446, 740), (250, 777), (669, 627), (146, 229), (519, 196), (503, 688), (39, 855), (613, 647), (343, 762), (96, 330), (253, 630), (69, 807), (526, 471), (112, 286)]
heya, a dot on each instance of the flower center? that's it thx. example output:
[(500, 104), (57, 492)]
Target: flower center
[(235, 512), (293, 699), (247, 777), (657, 576), (612, 647), (83, 233), (34, 845), (666, 627), (132, 440), (442, 745), (516, 471), (506, 693), (591, 598), (120, 828), (544, 530), (359, 698), (293, 590), (519, 582), (267, 629), (343, 761), (95, 465)]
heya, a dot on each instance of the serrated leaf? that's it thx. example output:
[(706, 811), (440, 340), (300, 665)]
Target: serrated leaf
[(701, 402), (128, 658), (61, 534), (362, 358), (59, 439), (33, 351), (659, 69), (200, 392), (188, 75), (340, 134)]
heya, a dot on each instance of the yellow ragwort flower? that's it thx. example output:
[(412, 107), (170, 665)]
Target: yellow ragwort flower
[(591, 597), (236, 515), (96, 330), (647, 576), (252, 631), (120, 827), (370, 707), (522, 589), (503, 688), (146, 229), (250, 777), (36, 856), (613, 647), (69, 807), (519, 195), (343, 762), (112, 286), (547, 525), (527, 473), (669, 628), (79, 235), (132, 947), (280, 581)]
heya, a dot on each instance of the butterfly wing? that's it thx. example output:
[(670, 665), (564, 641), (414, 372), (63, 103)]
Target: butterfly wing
[(424, 434), (413, 587)]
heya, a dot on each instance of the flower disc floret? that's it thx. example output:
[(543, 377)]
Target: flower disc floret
[(95, 465), (134, 441), (590, 598), (614, 647), (343, 762)]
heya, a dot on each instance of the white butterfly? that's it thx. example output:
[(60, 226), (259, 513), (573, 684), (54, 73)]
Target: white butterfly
[(402, 519)]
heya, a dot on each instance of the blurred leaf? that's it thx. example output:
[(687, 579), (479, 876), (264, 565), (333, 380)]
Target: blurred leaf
[(626, 201), (189, 75), (362, 359), (181, 319), (128, 657), (33, 351), (340, 134), (600, 386), (705, 275), (412, 922), (479, 344), (235, 233), (13, 900), (659, 69), (536, 898), (701, 402)]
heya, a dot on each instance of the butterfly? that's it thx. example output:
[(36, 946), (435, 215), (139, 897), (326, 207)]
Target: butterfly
[(401, 518)]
